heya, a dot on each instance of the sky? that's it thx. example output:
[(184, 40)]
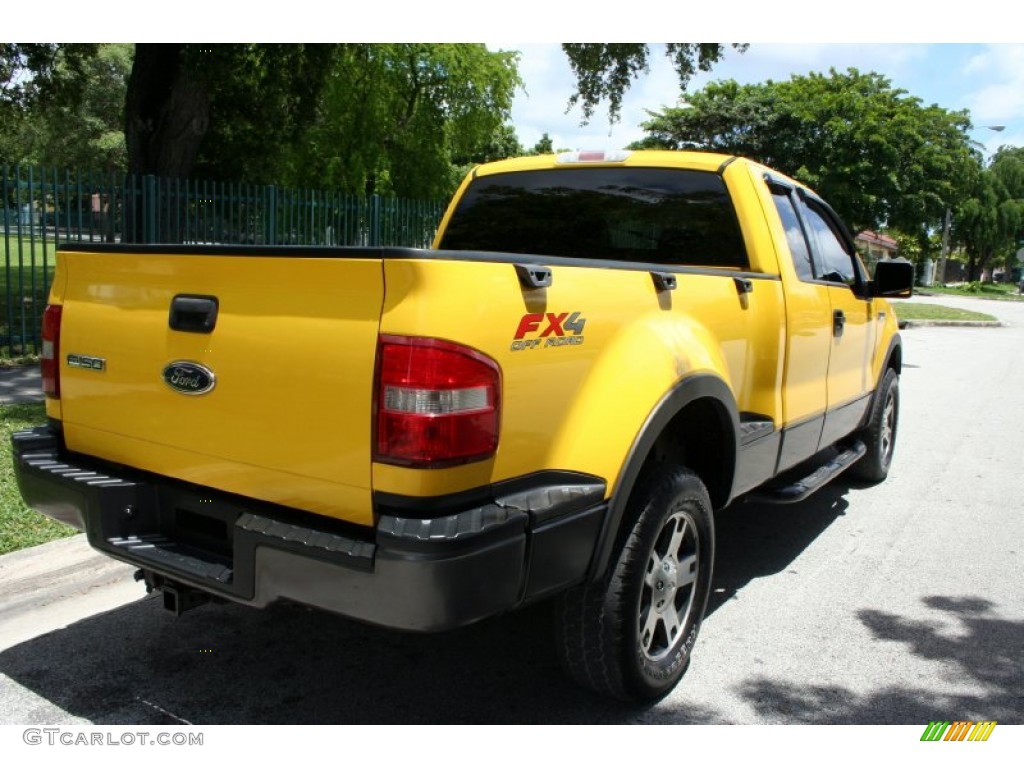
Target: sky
[(985, 79)]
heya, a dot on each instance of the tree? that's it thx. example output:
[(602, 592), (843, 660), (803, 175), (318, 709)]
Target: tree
[(877, 154), (86, 131), (990, 222), (606, 70), (225, 111), (544, 146), (34, 75), (237, 111), (406, 118)]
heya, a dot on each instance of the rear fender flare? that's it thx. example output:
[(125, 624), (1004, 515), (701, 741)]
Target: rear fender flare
[(687, 391)]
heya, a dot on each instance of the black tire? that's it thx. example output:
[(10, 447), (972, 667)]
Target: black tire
[(880, 433), (630, 635)]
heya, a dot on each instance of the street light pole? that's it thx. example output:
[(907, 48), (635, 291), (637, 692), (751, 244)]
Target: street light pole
[(940, 270)]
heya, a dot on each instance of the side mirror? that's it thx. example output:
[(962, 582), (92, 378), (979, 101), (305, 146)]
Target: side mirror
[(893, 278)]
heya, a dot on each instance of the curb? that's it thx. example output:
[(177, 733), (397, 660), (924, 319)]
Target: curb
[(903, 324)]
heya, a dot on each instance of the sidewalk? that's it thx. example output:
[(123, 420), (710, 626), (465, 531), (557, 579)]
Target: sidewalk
[(20, 384), (52, 585)]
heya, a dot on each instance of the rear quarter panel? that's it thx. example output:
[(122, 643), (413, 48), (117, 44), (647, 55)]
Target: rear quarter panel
[(580, 406)]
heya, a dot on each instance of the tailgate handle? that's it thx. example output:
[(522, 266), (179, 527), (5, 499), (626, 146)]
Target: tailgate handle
[(193, 314)]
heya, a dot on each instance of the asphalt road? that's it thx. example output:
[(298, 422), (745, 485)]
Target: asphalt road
[(900, 603)]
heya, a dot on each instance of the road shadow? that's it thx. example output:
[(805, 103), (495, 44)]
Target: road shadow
[(755, 540), (981, 651), (228, 664)]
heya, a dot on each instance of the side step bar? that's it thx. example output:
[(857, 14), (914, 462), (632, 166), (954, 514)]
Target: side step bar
[(801, 489)]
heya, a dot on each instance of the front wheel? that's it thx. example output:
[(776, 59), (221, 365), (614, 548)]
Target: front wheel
[(880, 433), (631, 634)]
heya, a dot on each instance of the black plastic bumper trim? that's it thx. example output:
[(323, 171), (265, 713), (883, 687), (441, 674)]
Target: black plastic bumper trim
[(544, 495), (417, 574)]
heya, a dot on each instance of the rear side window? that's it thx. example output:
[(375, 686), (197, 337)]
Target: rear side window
[(656, 215), (795, 236)]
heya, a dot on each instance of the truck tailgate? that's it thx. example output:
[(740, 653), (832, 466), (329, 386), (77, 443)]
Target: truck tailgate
[(288, 419)]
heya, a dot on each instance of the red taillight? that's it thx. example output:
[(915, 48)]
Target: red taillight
[(50, 358), (437, 403)]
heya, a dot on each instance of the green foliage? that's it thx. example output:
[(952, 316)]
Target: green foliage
[(990, 220), (87, 131), (606, 70), (53, 71), (390, 118), (40, 85), (219, 111), (877, 154), (401, 118), (405, 118), (544, 146), (261, 99), (910, 246)]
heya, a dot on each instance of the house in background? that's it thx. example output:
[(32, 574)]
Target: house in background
[(874, 247)]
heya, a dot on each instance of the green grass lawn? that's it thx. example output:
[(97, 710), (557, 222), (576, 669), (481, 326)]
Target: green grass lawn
[(935, 312), (976, 290), (26, 269), (20, 526), (25, 251)]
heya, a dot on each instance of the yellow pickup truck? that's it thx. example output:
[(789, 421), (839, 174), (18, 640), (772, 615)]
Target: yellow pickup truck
[(599, 350)]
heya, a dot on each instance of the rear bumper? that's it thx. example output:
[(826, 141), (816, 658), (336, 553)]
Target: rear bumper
[(529, 538)]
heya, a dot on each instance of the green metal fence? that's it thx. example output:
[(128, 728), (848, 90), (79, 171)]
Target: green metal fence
[(41, 208)]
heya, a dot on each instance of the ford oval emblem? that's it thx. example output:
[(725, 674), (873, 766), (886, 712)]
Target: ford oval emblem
[(189, 378)]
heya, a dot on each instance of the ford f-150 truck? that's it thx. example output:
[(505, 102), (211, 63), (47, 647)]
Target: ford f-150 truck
[(598, 352)]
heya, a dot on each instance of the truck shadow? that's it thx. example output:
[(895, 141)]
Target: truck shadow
[(754, 540), (227, 664)]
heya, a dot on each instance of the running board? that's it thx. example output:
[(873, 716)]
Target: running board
[(801, 489)]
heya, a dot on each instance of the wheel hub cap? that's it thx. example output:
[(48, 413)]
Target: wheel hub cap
[(669, 587), (664, 585)]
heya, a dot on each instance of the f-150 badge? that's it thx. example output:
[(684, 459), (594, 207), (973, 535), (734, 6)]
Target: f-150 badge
[(189, 378), (88, 362)]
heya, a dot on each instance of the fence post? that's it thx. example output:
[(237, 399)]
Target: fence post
[(375, 220), (270, 222), (149, 209)]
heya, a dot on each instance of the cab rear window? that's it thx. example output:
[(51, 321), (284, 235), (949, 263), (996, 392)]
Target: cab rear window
[(654, 215)]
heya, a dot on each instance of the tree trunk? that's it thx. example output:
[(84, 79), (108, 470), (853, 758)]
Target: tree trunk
[(167, 113), (976, 263)]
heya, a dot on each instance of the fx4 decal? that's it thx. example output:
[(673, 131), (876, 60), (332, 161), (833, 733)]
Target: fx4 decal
[(548, 329)]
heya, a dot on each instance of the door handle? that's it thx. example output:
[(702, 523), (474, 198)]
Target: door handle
[(838, 322)]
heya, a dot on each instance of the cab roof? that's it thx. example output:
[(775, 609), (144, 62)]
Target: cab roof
[(644, 158)]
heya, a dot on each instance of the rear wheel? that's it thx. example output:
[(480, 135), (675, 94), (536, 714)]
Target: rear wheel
[(630, 635)]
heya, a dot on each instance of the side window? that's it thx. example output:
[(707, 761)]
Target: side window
[(795, 236), (836, 260)]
